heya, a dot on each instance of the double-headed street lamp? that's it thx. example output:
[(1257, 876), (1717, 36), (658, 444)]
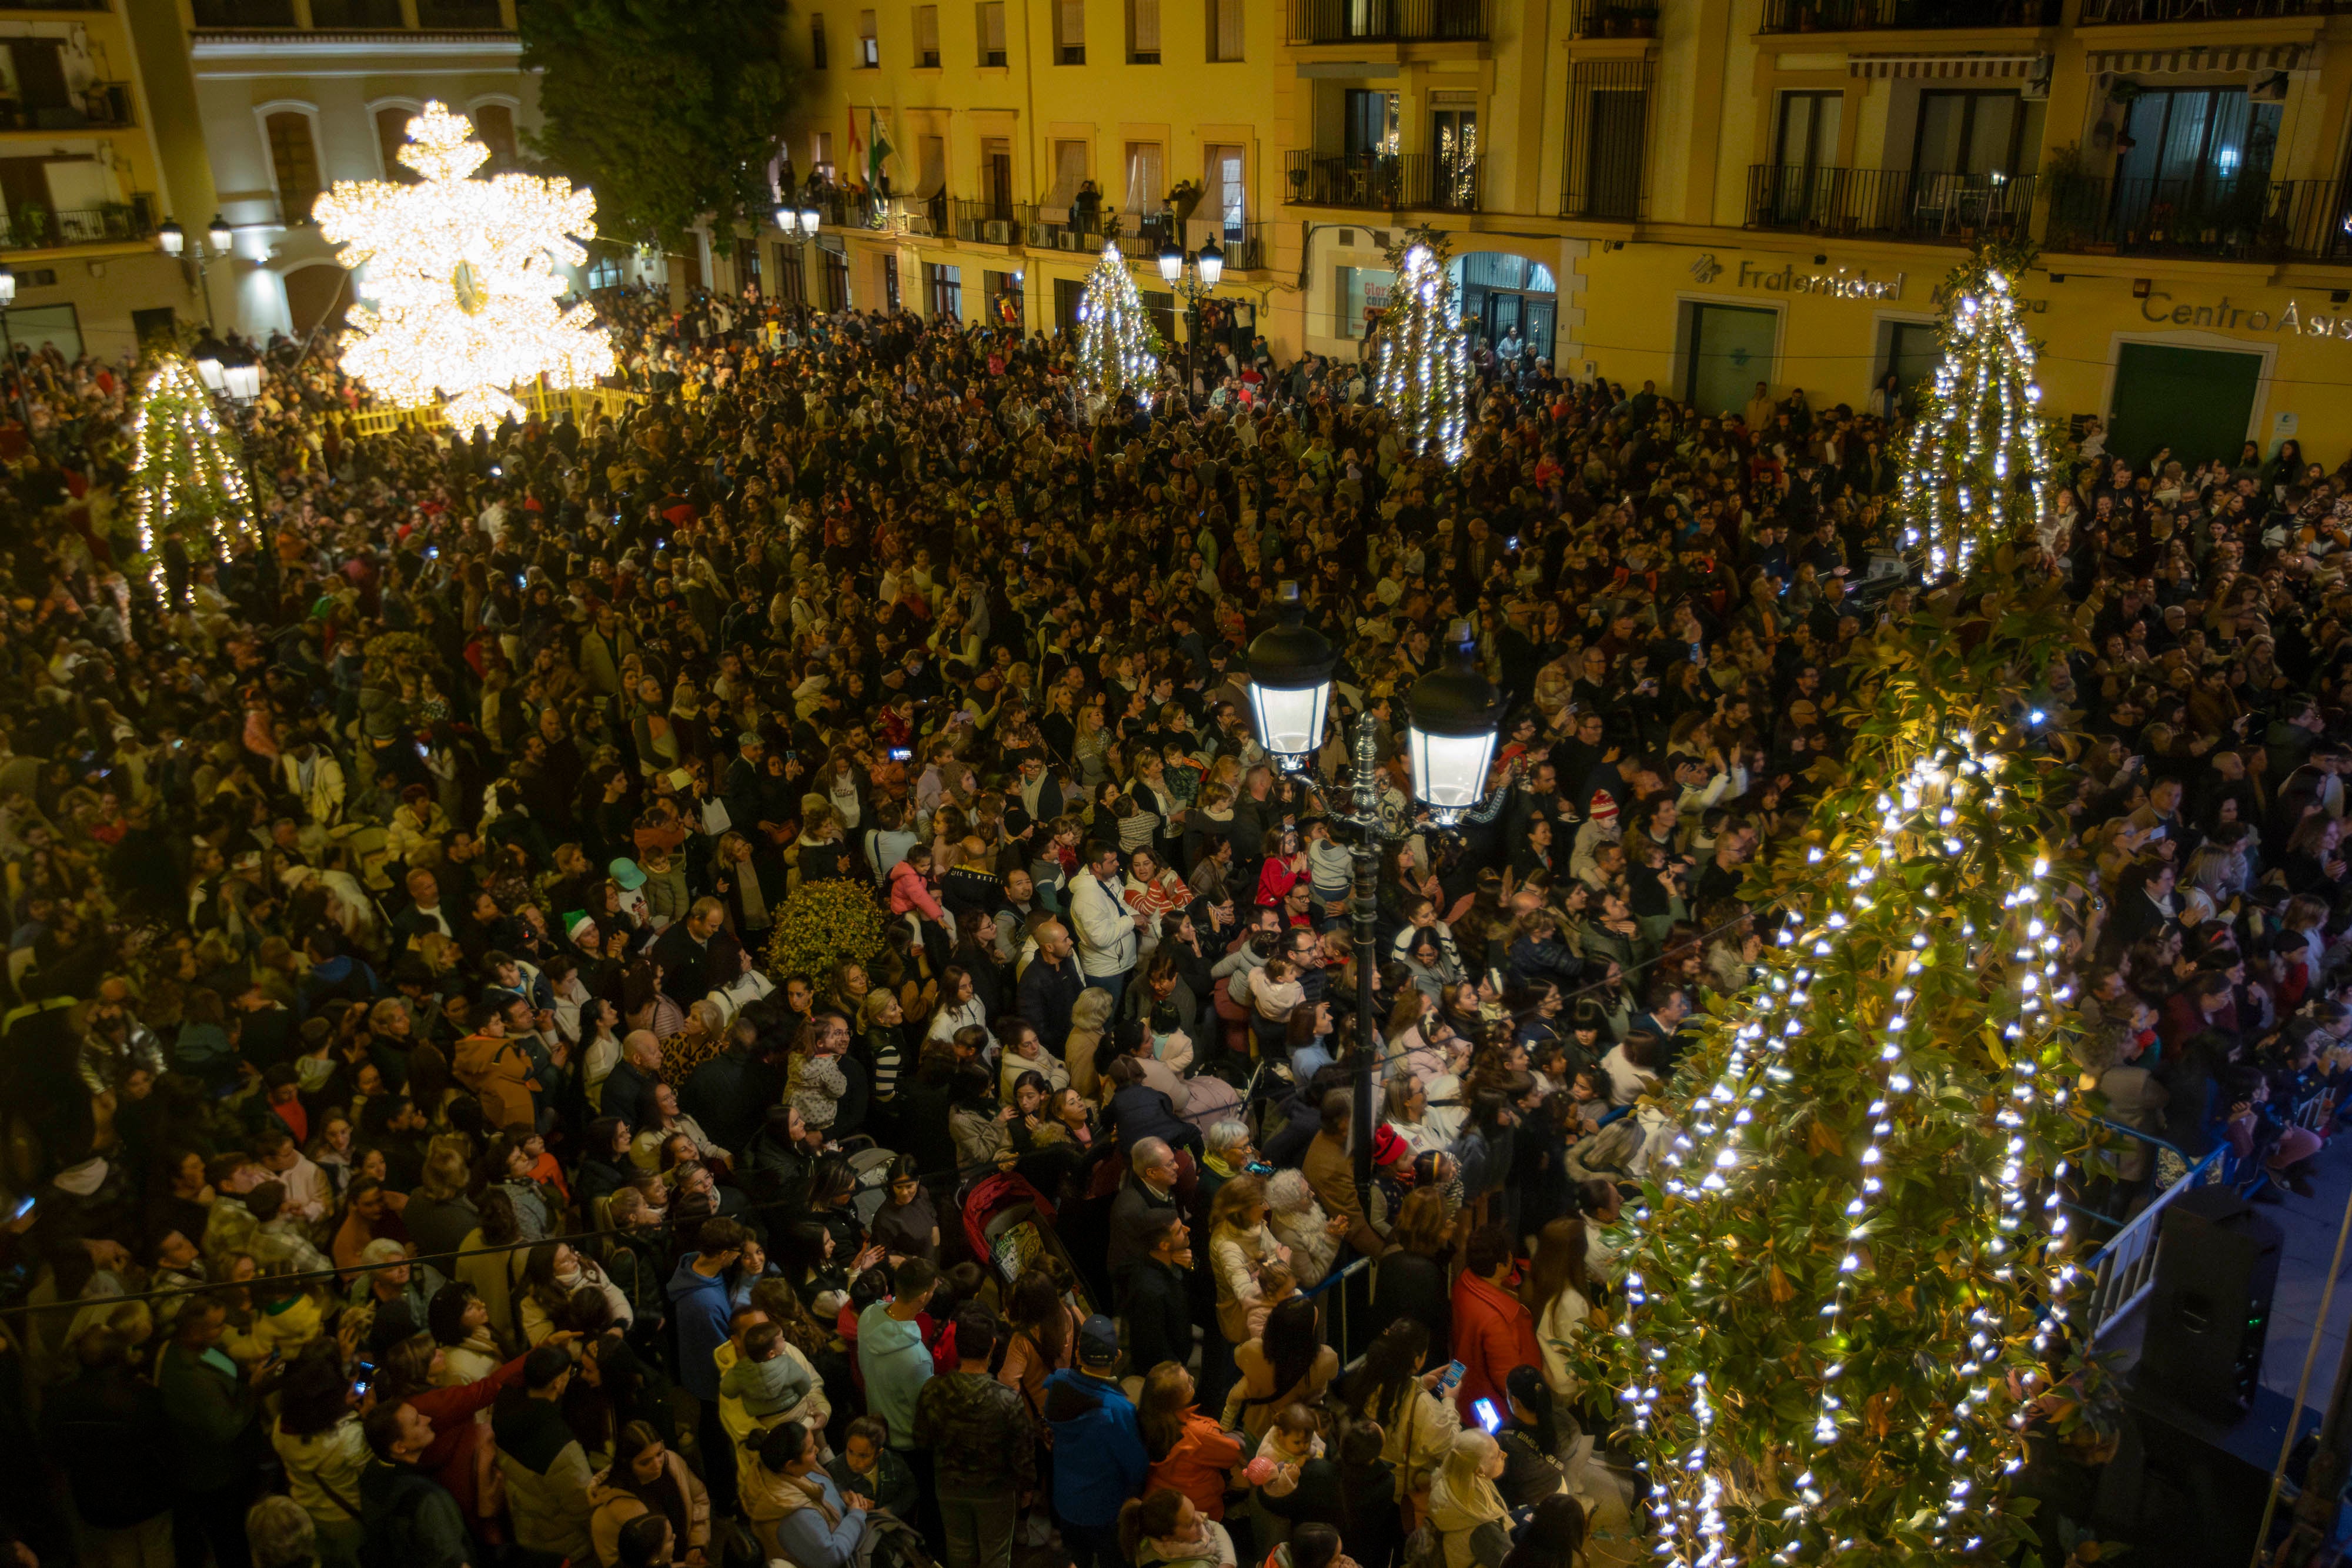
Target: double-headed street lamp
[(1194, 278), (1453, 720), (173, 241), (800, 223)]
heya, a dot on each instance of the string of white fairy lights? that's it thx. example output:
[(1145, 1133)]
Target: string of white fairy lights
[(1927, 805), (1973, 406)]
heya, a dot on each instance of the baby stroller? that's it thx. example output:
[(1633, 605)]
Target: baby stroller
[(1010, 1225)]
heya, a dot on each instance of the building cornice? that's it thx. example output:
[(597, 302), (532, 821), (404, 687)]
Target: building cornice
[(219, 52)]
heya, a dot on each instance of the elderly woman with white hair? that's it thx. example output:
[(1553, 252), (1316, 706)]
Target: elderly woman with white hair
[(1299, 1223)]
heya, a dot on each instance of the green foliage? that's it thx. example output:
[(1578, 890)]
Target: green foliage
[(670, 111), (1119, 349), (823, 924), (187, 479), (1837, 1278)]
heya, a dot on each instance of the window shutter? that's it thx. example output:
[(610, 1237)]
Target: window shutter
[(1146, 26), (1073, 23), (926, 29), (992, 25)]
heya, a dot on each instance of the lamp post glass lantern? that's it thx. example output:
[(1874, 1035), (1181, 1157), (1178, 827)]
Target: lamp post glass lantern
[(1291, 674), (220, 234), (172, 237)]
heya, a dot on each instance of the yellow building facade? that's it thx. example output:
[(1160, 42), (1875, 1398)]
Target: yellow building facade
[(1702, 193)]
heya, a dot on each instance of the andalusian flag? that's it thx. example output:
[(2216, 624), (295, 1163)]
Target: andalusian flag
[(877, 149)]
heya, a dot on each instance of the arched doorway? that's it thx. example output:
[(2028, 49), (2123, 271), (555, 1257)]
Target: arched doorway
[(317, 295), (1505, 295)]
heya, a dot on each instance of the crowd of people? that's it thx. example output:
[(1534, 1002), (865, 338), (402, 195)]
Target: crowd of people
[(429, 1160)]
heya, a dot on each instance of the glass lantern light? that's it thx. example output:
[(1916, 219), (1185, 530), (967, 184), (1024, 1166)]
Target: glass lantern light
[(1454, 717), (1290, 670)]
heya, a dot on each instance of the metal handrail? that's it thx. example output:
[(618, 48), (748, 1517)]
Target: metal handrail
[(2125, 1269)]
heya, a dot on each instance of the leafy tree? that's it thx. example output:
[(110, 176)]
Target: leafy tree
[(1423, 355), (1118, 348), (670, 111), (186, 485)]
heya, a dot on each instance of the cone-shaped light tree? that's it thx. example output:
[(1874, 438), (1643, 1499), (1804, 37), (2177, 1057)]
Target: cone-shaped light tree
[(1424, 358), (1115, 337), (1980, 430), (1849, 1268), (187, 478)]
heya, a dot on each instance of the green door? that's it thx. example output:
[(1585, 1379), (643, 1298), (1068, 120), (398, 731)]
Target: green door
[(2198, 401), (1730, 351)]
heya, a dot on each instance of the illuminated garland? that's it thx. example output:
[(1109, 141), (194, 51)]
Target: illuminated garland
[(460, 297), (1423, 367), (1980, 429), (187, 478), (1114, 334), (1849, 1261)]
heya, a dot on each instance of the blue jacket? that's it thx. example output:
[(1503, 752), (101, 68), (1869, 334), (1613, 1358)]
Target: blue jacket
[(1098, 1457), (702, 1310), (891, 1355), (808, 1542)]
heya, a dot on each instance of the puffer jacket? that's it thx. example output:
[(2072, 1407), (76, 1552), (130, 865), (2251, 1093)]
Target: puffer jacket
[(546, 1473), (610, 1507)]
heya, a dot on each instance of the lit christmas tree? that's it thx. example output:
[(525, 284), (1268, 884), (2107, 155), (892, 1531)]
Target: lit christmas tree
[(1849, 1268), (187, 476), (1424, 376), (1116, 343), (1980, 452), (459, 292)]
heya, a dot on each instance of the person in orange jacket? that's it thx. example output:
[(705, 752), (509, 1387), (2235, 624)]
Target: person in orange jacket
[(1493, 1329)]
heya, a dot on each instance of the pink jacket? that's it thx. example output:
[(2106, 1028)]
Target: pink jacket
[(911, 890)]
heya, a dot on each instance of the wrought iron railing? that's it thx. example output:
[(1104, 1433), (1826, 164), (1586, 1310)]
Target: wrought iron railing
[(1385, 181), (1898, 203), (2209, 216), (1905, 15), (1388, 21)]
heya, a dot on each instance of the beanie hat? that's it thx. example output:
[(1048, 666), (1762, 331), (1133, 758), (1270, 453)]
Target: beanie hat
[(1605, 808), (1388, 1145)]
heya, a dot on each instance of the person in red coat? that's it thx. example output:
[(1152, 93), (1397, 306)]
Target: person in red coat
[(1493, 1329)]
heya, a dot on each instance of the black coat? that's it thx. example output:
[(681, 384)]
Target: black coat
[(1411, 1285), (1159, 1315), (106, 1430)]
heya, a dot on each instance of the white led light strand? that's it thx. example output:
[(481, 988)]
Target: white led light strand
[(184, 466), (1989, 413), (1114, 340), (1424, 369)]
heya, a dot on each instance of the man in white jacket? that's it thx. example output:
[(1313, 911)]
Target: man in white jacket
[(1107, 930)]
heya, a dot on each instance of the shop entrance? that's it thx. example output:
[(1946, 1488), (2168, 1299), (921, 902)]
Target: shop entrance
[(2198, 401), (1727, 348), (1507, 299)]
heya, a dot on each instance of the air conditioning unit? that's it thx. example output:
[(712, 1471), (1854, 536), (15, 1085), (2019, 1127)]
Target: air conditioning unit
[(1040, 237), (1065, 240), (997, 231)]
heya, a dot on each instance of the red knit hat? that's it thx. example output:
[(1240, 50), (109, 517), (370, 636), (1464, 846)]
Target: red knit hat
[(1604, 807)]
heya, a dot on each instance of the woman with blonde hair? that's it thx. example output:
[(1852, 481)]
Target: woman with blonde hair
[(1240, 1247), (1464, 1508), (1090, 1016), (1558, 1292)]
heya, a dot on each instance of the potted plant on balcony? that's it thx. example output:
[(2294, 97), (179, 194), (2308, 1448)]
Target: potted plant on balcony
[(2066, 179)]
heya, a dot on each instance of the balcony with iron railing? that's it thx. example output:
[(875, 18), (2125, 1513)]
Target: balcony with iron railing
[(2209, 217), (97, 106), (991, 222), (1893, 203), (1617, 18), (1906, 16), (34, 225), (372, 15), (1385, 181), (338, 15), (2120, 13), (1388, 21)]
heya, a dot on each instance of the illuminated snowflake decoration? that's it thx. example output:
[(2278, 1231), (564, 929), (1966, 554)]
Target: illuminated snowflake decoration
[(460, 287)]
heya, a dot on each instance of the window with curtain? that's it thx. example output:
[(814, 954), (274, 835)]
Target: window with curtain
[(816, 43), (1975, 133), (934, 166), (1145, 189), (391, 136), (992, 33), (294, 159), (926, 34), (1143, 32), (1070, 31), (869, 42), (1069, 173), (2199, 159), (1223, 185), (494, 124), (1224, 29)]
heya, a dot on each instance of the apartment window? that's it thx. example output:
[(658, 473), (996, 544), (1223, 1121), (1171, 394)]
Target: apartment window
[(1070, 32), (1370, 127), (869, 43), (927, 36), (391, 136), (992, 33), (889, 282), (604, 273), (945, 285), (1143, 32), (1069, 173), (996, 175), (1224, 29), (1608, 138), (294, 158), (1145, 187), (816, 43), (1808, 138), (837, 279), (1980, 133), (2189, 138), (791, 275), (1222, 183), (494, 124), (824, 150)]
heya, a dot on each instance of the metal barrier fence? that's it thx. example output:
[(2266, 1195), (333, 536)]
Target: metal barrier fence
[(547, 404), (2125, 1269)]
